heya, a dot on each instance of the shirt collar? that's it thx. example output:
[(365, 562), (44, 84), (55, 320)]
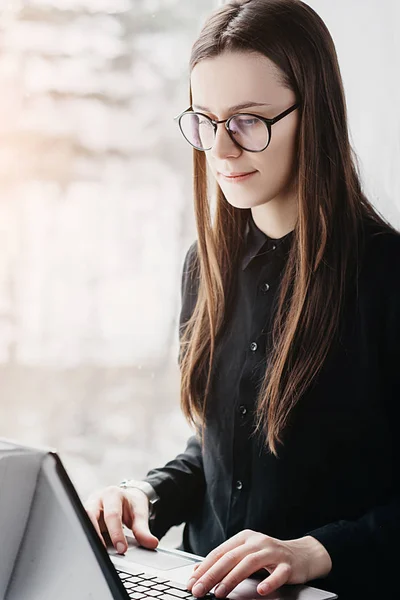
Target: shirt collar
[(256, 240)]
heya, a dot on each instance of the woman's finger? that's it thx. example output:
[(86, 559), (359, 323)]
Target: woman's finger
[(94, 516), (94, 509), (279, 577), (247, 566), (112, 514), (213, 557), (140, 520), (219, 571), (127, 512)]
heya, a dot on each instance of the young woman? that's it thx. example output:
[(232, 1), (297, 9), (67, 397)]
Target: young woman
[(289, 328)]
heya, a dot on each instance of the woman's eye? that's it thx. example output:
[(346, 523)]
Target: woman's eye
[(246, 122)]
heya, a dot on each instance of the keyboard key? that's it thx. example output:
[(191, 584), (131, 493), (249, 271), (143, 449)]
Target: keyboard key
[(123, 575), (179, 593), (178, 586), (161, 587), (136, 596), (130, 574), (140, 588), (148, 583), (153, 593)]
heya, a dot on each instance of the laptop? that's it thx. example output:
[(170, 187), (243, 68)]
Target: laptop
[(49, 548)]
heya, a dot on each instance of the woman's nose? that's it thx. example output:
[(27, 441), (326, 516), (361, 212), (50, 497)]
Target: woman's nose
[(223, 144)]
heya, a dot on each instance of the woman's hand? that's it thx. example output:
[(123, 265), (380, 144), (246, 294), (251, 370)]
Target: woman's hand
[(292, 561), (113, 507)]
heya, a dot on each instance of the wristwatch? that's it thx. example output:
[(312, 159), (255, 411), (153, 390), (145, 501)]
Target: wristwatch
[(147, 488)]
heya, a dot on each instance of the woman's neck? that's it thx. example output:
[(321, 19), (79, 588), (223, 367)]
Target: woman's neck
[(276, 218)]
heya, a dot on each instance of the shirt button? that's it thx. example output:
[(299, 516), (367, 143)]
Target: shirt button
[(239, 485), (273, 247), (265, 287), (242, 410), (253, 346)]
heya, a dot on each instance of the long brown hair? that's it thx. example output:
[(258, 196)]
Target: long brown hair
[(324, 255)]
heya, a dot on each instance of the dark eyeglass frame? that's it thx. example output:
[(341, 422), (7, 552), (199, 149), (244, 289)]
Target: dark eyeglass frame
[(268, 122)]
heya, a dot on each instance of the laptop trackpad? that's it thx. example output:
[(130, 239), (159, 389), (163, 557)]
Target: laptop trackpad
[(156, 559)]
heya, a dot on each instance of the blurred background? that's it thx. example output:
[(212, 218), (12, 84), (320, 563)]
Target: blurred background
[(96, 213)]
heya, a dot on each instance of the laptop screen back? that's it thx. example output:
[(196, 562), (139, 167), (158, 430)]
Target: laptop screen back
[(60, 555)]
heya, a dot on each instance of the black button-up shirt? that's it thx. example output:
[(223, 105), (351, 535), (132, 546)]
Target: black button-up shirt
[(337, 476)]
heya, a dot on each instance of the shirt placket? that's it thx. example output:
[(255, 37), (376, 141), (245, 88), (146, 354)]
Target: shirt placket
[(260, 280)]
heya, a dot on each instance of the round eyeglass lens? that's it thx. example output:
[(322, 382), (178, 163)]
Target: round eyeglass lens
[(250, 132), (198, 130)]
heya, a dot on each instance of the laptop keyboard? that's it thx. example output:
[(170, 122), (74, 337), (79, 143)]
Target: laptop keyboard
[(142, 586)]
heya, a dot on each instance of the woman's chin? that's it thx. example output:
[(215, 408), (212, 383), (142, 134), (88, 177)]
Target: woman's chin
[(241, 202)]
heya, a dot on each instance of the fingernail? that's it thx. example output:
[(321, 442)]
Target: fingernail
[(199, 590), (263, 589), (191, 582), (120, 548), (220, 590)]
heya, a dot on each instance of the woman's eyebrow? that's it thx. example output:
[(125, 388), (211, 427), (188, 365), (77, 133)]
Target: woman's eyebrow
[(236, 107)]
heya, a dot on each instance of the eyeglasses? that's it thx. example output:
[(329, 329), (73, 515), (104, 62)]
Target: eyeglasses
[(250, 132)]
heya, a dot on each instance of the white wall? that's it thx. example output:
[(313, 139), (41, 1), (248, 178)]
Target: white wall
[(366, 35)]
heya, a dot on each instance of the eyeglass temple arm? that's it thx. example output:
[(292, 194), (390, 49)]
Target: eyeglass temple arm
[(186, 109), (286, 112)]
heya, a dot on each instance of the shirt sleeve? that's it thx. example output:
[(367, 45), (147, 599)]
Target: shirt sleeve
[(367, 549), (180, 484)]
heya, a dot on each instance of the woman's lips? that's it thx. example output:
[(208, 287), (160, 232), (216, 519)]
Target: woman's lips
[(237, 178)]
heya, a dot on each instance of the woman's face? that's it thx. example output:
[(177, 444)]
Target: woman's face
[(235, 78)]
